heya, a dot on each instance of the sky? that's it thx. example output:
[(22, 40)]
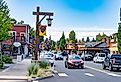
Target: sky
[(85, 17)]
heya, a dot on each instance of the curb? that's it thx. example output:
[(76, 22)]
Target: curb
[(40, 78), (7, 68), (13, 78)]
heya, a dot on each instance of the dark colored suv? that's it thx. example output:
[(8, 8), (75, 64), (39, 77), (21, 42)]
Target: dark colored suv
[(114, 61)]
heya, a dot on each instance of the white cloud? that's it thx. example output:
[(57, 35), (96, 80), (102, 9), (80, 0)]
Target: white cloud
[(80, 32)]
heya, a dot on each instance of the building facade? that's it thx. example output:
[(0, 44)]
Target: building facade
[(20, 40)]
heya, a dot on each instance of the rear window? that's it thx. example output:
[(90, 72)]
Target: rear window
[(75, 57), (116, 56), (102, 55)]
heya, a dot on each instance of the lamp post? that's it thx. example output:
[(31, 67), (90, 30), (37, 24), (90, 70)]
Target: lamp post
[(38, 23)]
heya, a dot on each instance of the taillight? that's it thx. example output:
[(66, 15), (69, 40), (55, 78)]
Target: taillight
[(113, 61)]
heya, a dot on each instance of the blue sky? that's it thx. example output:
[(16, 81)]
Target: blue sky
[(92, 16)]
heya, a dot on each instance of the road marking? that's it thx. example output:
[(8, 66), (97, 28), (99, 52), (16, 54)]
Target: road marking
[(62, 75), (89, 74), (35, 81), (111, 74)]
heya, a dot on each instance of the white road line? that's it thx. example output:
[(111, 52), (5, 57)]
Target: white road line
[(35, 81), (111, 74), (62, 74), (89, 74)]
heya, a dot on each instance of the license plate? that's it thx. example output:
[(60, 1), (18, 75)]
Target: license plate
[(76, 64)]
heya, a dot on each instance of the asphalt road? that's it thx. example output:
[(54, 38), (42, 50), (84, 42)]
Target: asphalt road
[(92, 72)]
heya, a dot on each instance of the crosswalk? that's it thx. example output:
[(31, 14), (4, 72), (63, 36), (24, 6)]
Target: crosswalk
[(62, 74), (88, 74), (66, 75)]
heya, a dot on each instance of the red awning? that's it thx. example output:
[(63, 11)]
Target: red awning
[(8, 42)]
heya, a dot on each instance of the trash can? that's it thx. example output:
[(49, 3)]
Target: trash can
[(19, 58)]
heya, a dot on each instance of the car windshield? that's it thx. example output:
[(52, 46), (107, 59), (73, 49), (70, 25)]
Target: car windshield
[(88, 55), (75, 58), (50, 54), (116, 56), (101, 55)]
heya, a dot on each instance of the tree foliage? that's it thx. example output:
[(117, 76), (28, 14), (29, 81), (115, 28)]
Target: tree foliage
[(93, 40), (87, 40), (83, 40), (32, 33), (99, 37), (53, 45), (67, 40), (119, 38), (62, 42), (5, 21), (72, 36)]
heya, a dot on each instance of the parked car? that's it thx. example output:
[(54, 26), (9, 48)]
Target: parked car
[(64, 53), (99, 57), (87, 57), (49, 58), (58, 57), (113, 61), (74, 61)]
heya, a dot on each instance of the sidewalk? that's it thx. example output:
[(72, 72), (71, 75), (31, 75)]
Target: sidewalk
[(19, 69)]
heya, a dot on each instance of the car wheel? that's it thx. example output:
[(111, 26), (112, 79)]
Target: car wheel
[(52, 64), (118, 69), (68, 67), (82, 67), (104, 67), (94, 61), (65, 65), (110, 67)]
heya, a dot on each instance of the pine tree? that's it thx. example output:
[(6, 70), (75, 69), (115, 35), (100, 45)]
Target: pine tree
[(119, 38), (88, 40)]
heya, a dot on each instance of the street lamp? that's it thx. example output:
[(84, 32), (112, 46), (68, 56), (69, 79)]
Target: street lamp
[(38, 22), (49, 21)]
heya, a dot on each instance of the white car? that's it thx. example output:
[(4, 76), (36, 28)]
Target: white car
[(49, 58), (99, 57), (58, 57)]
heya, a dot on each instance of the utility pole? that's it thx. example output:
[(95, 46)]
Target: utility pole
[(38, 23)]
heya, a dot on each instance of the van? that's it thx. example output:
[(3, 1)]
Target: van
[(99, 57)]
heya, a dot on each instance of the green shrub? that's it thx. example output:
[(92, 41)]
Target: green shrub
[(43, 64), (7, 59), (33, 69), (1, 64)]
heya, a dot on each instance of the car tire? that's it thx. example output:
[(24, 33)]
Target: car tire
[(82, 67), (52, 64), (118, 69), (110, 67), (65, 65), (94, 61), (68, 67), (104, 67)]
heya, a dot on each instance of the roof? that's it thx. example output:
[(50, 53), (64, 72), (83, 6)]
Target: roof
[(8, 42), (22, 25)]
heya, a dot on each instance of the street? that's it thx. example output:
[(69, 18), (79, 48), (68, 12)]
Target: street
[(92, 72)]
